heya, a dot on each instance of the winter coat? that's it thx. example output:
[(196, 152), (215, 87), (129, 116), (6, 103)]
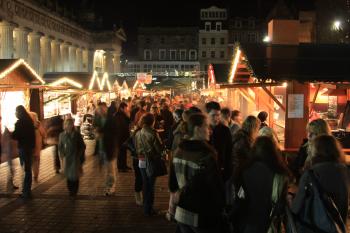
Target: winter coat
[(72, 149), (24, 134), (194, 172), (221, 140), (123, 127), (147, 143), (257, 183), (40, 135), (333, 178)]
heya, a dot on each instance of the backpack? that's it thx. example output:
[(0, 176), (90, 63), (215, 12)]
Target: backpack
[(319, 212)]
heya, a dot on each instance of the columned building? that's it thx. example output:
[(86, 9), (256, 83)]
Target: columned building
[(50, 43)]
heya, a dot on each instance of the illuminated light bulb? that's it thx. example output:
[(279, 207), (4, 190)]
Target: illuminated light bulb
[(266, 39)]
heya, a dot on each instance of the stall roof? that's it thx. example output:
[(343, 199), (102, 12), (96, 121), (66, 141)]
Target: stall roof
[(7, 66), (304, 62), (80, 80)]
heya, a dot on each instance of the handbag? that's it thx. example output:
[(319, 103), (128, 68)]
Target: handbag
[(319, 213), (156, 167)]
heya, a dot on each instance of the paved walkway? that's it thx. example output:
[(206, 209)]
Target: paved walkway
[(51, 210)]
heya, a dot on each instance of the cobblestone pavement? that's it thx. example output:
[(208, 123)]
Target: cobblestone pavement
[(51, 210)]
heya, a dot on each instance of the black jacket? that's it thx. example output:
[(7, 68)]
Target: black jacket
[(122, 126), (221, 140), (24, 134)]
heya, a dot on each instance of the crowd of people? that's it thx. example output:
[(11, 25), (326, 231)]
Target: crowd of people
[(226, 173)]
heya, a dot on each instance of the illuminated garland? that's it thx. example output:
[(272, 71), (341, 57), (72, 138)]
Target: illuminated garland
[(66, 80), (18, 63), (234, 65)]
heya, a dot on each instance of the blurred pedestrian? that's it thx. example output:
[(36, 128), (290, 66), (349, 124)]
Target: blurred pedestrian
[(148, 147), (24, 134), (54, 128), (72, 150), (40, 135), (236, 117), (122, 121)]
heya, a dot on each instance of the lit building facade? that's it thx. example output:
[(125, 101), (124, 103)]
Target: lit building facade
[(51, 43), (165, 49), (213, 37)]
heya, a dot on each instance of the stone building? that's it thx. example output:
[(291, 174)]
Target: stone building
[(50, 42), (166, 49)]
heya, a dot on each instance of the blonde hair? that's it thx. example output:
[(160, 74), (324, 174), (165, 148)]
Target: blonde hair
[(68, 124), (318, 127), (251, 124)]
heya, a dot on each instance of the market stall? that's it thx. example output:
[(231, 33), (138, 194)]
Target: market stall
[(19, 85)]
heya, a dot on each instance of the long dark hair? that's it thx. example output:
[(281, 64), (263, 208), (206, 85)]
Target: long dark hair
[(326, 148), (265, 150), (22, 114)]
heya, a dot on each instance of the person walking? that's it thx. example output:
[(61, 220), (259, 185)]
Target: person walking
[(54, 128), (142, 110), (122, 121), (148, 147), (40, 135), (24, 134), (329, 169), (267, 175), (72, 150), (195, 175)]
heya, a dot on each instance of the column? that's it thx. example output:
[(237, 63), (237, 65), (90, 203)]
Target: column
[(79, 60), (116, 62), (72, 58), (45, 43), (56, 56), (108, 64), (21, 43), (85, 60), (6, 40), (64, 57), (90, 60), (34, 50)]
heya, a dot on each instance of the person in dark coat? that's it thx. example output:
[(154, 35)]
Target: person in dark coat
[(220, 139), (24, 134), (168, 120), (123, 133), (265, 169), (112, 109), (54, 128), (328, 165), (262, 116), (194, 172)]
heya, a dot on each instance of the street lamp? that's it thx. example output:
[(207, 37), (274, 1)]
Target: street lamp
[(336, 25), (266, 39)]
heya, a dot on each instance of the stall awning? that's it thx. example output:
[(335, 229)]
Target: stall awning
[(303, 62)]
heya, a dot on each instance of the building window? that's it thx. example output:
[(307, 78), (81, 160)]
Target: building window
[(207, 26), (162, 54), (162, 40), (236, 37), (218, 26), (148, 40), (193, 55), (172, 54), (222, 54), (147, 54), (182, 54), (182, 39), (238, 23), (204, 40), (204, 54), (212, 41), (222, 40), (251, 23), (212, 54), (252, 37)]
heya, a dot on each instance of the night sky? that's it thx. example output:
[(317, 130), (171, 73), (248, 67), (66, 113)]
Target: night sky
[(132, 13)]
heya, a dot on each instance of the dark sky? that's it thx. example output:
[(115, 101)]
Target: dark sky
[(134, 13)]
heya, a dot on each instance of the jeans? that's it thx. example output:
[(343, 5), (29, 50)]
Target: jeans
[(148, 197), (26, 155), (73, 187), (138, 175)]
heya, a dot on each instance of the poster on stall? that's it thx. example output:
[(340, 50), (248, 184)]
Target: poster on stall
[(295, 106)]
